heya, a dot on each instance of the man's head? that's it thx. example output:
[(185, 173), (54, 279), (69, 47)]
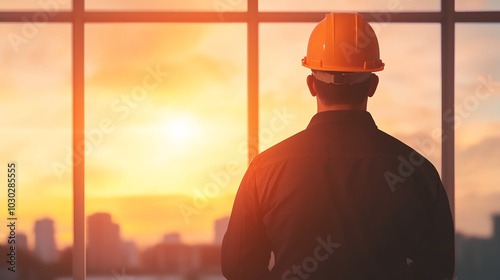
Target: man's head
[(341, 95), (342, 53)]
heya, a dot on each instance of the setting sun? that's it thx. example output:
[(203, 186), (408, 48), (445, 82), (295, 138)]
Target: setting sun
[(180, 129)]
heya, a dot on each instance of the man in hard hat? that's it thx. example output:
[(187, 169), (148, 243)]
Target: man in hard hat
[(341, 199)]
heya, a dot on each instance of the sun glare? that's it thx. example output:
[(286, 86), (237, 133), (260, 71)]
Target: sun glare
[(180, 129)]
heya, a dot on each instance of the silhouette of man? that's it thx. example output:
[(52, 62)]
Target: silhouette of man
[(340, 199)]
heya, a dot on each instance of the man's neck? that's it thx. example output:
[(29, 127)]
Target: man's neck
[(341, 107)]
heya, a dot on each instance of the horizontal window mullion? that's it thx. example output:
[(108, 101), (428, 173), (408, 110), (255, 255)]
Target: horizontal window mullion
[(94, 16)]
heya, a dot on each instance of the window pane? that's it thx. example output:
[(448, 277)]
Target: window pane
[(47, 7), (166, 109), (409, 93), (472, 5), (407, 103), (155, 5), (350, 5), (283, 91), (35, 124), (477, 129)]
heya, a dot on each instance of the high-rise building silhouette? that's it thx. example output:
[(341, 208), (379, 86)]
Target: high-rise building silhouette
[(496, 227), (21, 241), (172, 238), (220, 227), (105, 248), (131, 254), (45, 244)]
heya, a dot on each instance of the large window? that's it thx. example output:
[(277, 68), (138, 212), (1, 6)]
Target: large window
[(169, 159), (132, 122)]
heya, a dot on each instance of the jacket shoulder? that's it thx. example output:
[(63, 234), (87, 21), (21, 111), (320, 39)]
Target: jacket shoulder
[(284, 149)]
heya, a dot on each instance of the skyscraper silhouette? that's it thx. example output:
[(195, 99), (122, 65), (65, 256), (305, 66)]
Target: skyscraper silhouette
[(21, 241), (131, 254), (45, 244), (496, 228), (105, 250)]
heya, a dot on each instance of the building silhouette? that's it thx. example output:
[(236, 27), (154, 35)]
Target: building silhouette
[(105, 250), (496, 227), (476, 258), (131, 254), (207, 258), (479, 258), (167, 258), (172, 238), (45, 244), (21, 241), (220, 228)]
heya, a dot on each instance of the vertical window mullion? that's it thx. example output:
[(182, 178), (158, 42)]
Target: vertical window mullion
[(253, 78), (448, 99), (79, 269)]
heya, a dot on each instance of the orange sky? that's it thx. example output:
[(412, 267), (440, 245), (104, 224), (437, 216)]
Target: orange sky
[(168, 138)]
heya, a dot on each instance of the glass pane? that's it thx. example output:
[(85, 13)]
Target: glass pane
[(166, 111), (473, 5), (409, 94), (392, 6), (407, 103), (477, 130), (285, 105), (35, 125), (47, 8), (156, 5)]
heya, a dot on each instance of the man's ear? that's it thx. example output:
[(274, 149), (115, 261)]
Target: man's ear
[(310, 84), (373, 85)]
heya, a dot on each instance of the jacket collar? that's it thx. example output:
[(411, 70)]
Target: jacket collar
[(343, 117)]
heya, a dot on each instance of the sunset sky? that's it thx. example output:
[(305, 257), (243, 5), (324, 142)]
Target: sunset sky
[(166, 111)]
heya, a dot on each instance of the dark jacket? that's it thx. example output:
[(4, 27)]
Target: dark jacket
[(340, 200)]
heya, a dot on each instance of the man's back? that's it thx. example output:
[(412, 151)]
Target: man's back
[(340, 200)]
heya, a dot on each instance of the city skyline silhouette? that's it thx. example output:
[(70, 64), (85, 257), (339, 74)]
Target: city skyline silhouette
[(107, 251)]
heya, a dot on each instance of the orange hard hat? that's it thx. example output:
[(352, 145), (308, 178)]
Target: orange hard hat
[(343, 42)]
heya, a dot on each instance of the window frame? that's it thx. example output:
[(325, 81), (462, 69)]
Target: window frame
[(447, 17)]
